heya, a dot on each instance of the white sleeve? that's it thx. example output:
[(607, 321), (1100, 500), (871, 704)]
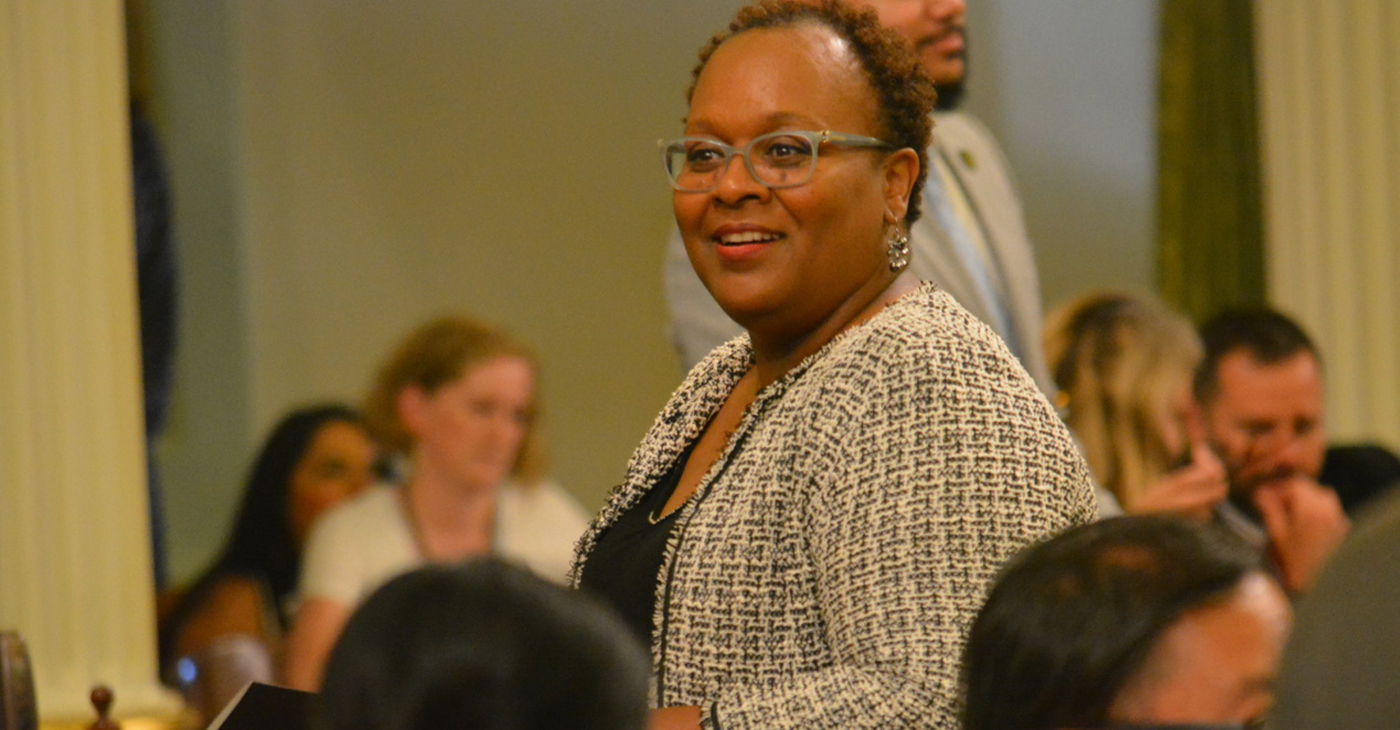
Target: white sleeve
[(541, 525), (356, 546), (329, 562)]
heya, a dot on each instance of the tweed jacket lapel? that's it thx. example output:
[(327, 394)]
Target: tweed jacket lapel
[(680, 422)]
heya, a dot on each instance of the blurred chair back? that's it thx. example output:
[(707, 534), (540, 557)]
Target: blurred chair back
[(17, 708)]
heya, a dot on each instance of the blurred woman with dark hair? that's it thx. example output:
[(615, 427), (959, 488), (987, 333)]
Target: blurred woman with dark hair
[(315, 458)]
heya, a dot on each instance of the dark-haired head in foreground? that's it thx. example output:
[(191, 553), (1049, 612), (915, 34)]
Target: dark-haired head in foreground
[(485, 645), (1133, 620)]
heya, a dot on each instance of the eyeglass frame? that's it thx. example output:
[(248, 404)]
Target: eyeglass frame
[(815, 138)]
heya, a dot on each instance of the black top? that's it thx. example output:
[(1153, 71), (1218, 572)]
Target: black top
[(1359, 473), (624, 566)]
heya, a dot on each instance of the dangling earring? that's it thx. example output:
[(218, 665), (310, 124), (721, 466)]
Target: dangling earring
[(898, 250)]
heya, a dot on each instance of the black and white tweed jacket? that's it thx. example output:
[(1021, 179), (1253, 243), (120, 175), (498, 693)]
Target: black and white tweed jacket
[(828, 568)]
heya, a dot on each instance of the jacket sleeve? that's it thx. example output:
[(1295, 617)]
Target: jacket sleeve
[(916, 498)]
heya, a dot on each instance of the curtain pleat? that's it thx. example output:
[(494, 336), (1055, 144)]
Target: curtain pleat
[(1210, 230)]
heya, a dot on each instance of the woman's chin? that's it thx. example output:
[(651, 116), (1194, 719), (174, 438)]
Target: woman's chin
[(744, 302), (746, 314), (484, 479)]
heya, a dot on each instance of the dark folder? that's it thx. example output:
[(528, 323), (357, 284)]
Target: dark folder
[(263, 706)]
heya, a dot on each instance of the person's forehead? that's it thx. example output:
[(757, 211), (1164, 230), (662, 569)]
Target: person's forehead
[(805, 69), (1242, 632), (807, 47), (1291, 383), (1253, 614)]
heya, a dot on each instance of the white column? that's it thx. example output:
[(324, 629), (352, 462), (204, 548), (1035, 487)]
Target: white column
[(1329, 75), (75, 570)]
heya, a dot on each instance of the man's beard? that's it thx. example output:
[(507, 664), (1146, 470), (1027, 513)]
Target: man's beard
[(950, 94)]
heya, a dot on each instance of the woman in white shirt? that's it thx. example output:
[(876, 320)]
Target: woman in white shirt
[(456, 403)]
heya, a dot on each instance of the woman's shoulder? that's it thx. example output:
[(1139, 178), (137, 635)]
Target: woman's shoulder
[(232, 604), (926, 358), (242, 591), (367, 511), (541, 503), (539, 524), (372, 502), (926, 333), (356, 545)]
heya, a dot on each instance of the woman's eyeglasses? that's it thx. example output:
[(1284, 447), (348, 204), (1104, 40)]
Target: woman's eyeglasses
[(777, 160)]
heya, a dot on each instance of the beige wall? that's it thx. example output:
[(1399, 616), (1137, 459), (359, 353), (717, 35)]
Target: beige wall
[(1070, 88), (345, 170)]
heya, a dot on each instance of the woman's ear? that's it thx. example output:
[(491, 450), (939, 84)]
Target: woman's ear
[(901, 170), (411, 404)]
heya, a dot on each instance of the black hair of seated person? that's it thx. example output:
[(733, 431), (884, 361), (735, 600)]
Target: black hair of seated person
[(1070, 620), (485, 645), (261, 544)]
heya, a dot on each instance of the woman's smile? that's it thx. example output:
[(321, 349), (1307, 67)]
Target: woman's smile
[(743, 243)]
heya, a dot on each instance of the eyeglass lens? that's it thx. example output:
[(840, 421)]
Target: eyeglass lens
[(777, 161)]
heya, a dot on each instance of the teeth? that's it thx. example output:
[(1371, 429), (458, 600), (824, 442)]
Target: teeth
[(747, 237)]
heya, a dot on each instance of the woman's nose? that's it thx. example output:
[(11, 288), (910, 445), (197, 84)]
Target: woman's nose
[(736, 182)]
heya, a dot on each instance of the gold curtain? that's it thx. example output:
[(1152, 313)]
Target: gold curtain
[(1210, 251)]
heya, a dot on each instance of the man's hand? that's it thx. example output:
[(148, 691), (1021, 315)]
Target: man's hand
[(1305, 524)]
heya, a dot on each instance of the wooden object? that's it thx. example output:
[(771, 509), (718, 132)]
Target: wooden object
[(102, 702), (18, 710)]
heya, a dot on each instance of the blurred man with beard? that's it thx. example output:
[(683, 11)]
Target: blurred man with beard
[(971, 241), (1260, 390)]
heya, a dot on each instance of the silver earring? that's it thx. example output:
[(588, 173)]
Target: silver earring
[(898, 250)]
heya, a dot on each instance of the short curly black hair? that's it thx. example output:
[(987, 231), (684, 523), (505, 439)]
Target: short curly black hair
[(905, 93)]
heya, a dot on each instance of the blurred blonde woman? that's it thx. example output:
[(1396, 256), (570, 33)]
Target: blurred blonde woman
[(1123, 365), (455, 404)]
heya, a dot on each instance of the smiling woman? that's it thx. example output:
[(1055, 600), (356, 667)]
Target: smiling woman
[(804, 535)]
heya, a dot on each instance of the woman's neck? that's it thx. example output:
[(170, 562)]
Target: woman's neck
[(777, 352), (450, 521)]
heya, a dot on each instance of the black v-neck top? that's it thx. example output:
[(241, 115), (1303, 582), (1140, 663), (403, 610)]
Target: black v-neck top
[(625, 564)]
